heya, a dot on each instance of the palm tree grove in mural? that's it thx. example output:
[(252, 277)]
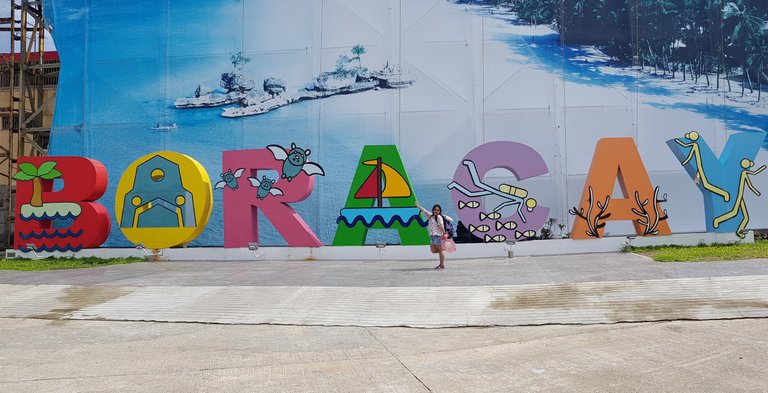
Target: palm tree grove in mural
[(709, 42)]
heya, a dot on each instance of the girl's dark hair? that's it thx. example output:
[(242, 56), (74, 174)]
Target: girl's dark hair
[(441, 212)]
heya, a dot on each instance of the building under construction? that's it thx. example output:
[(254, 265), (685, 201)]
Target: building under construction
[(28, 79)]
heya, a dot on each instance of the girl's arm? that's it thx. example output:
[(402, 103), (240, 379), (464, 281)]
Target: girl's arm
[(425, 211)]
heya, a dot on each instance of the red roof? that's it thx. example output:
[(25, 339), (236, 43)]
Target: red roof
[(52, 55)]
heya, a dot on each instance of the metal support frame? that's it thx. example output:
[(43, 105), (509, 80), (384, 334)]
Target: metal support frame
[(26, 72)]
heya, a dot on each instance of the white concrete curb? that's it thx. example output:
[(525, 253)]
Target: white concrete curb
[(395, 252)]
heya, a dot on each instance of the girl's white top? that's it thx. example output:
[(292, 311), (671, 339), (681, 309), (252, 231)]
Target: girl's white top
[(437, 226)]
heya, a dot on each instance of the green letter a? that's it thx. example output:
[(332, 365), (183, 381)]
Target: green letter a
[(380, 176)]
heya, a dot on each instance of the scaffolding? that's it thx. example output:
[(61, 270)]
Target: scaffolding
[(25, 71)]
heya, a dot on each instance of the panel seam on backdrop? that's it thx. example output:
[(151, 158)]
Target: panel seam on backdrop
[(482, 73), (241, 123), (561, 116)]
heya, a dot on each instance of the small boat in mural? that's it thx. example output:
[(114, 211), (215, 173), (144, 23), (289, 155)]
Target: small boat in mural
[(165, 127), (383, 182)]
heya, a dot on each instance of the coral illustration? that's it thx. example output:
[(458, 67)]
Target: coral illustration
[(593, 221), (650, 221)]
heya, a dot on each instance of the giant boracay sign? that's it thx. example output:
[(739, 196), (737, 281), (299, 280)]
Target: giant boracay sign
[(164, 199)]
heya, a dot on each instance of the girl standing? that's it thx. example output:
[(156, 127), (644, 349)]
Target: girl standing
[(437, 233)]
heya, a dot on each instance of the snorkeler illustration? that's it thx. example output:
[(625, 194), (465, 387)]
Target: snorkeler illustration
[(696, 152), (515, 195), (739, 203)]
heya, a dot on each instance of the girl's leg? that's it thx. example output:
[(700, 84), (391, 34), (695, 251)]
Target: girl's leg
[(433, 248), (442, 258)]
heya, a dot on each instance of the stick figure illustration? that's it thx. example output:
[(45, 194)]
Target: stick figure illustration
[(739, 204), (696, 152)]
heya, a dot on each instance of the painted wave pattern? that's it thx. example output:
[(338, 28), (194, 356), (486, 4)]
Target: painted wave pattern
[(51, 209), (369, 222), (50, 234), (56, 247), (46, 217)]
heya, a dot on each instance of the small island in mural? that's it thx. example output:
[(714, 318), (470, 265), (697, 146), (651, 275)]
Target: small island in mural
[(349, 77)]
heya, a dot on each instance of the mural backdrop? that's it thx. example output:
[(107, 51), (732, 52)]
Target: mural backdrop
[(492, 109)]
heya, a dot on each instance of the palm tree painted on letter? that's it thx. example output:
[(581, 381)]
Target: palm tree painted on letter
[(28, 172)]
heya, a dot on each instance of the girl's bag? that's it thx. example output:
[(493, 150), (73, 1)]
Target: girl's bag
[(449, 245)]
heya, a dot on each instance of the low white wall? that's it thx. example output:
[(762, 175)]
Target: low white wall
[(358, 253)]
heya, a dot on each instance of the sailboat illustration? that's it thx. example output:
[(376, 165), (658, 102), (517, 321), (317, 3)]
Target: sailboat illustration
[(383, 182)]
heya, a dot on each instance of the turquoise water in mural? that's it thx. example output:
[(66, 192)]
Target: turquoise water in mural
[(139, 59), (124, 64)]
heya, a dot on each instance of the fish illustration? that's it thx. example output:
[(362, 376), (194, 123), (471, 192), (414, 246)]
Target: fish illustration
[(497, 238), (479, 228), (490, 216), (528, 234), (470, 204), (506, 225)]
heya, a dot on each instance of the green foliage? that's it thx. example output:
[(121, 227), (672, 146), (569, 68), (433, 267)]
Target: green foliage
[(28, 168), (238, 60), (359, 50), (23, 176), (53, 174), (46, 168), (536, 12), (52, 263), (548, 230), (697, 37), (47, 172), (704, 253), (28, 171)]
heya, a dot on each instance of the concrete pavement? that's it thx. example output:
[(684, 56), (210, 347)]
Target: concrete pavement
[(475, 272), (576, 289), (79, 330), (103, 356)]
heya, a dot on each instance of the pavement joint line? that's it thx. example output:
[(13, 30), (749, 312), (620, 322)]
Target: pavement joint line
[(398, 359), (538, 263), (404, 326)]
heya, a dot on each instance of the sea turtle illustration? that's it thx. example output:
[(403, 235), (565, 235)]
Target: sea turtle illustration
[(295, 161), (265, 187), (229, 179)]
